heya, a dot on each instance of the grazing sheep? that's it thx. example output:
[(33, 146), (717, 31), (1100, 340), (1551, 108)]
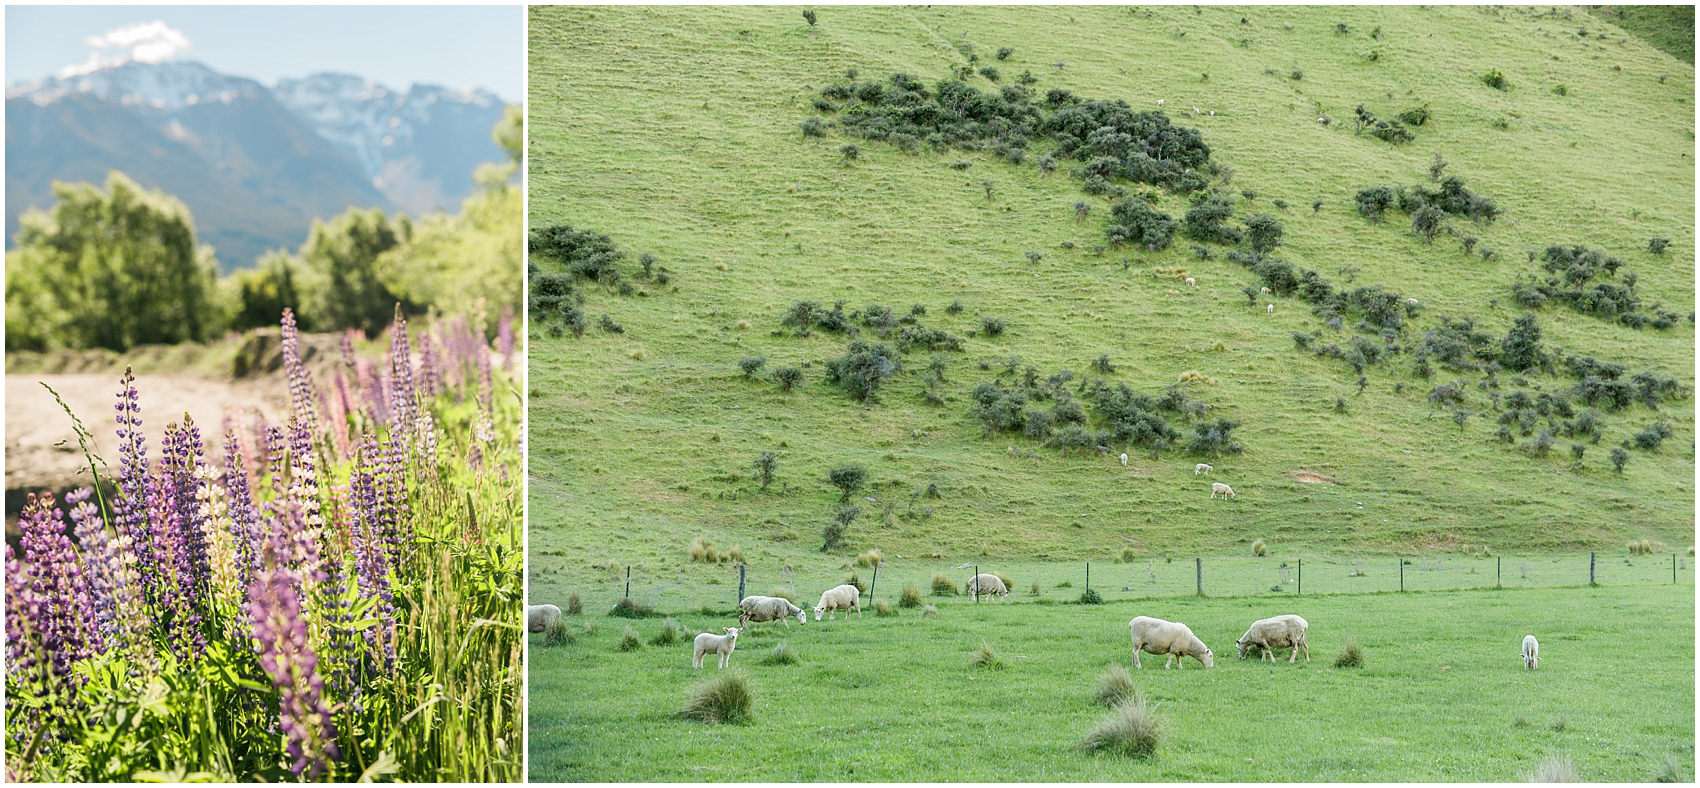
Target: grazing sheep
[(1271, 309), (1191, 282), (719, 644), (1218, 488), (1124, 459), (991, 584), (539, 617), (1531, 653), (1156, 636), (844, 597), (1273, 633), (1412, 302), (1159, 102), (769, 608), (1202, 468), (1267, 291)]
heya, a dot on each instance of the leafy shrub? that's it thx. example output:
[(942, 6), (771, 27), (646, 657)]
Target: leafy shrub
[(863, 368), (1090, 597), (1131, 730), (1654, 434), (1494, 79), (1426, 221), (847, 479), (1415, 116), (751, 364), (1204, 221), (1658, 245), (631, 608), (1373, 202), (835, 531), (1135, 221), (992, 326), (726, 698), (788, 377)]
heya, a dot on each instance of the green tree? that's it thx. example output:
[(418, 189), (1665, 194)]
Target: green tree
[(113, 269), (261, 293), (848, 479), (1521, 348), (342, 255)]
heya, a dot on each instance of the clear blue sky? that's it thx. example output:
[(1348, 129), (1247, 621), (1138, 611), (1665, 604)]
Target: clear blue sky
[(397, 46)]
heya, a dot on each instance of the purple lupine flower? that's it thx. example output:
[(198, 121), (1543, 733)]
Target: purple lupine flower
[(183, 463), (245, 531), (129, 509), (280, 640), (505, 337), (30, 675), (103, 598), (372, 553), (430, 367), (390, 481), (346, 344), (275, 449), (304, 495), (172, 590), (342, 658), (58, 582), (404, 406), (372, 388), (483, 426), (300, 380)]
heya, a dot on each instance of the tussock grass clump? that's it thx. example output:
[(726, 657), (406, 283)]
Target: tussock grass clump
[(781, 654), (704, 551), (1561, 724), (1643, 547), (1003, 578), (928, 611), (1116, 686), (870, 559), (726, 698), (1131, 729), (735, 555), (670, 633), (911, 597), (1555, 769), (1259, 549), (1672, 771), (943, 586), (631, 608), (557, 634), (782, 593), (629, 640), (986, 657), (884, 609), (574, 607), (1350, 657)]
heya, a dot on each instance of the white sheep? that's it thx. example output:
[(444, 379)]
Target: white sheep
[(1271, 309), (1191, 282), (1531, 653), (991, 585), (1124, 459), (1156, 636), (1202, 468), (1412, 302), (1159, 102), (769, 608), (1218, 488), (845, 597), (719, 644), (1273, 633), (539, 617), (1267, 291)]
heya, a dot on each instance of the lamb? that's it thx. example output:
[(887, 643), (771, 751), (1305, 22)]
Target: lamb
[(539, 617), (1218, 488), (769, 608), (1124, 459), (1273, 633), (1156, 636), (719, 644), (1202, 468), (1267, 291), (1191, 282), (1531, 653), (844, 597), (987, 584), (1271, 309)]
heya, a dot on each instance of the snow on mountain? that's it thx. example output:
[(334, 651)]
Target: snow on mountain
[(169, 86)]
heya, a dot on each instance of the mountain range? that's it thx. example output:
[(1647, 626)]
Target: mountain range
[(255, 165)]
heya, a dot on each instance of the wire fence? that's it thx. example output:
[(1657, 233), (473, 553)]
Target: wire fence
[(717, 586)]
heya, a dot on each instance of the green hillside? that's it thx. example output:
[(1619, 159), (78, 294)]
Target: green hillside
[(676, 131)]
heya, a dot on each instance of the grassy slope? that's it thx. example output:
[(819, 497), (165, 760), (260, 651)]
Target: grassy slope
[(674, 129), (1439, 697)]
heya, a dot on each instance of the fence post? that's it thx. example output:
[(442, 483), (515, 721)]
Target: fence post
[(873, 582), (1088, 574), (628, 582), (1301, 577), (1199, 562), (741, 568), (975, 582), (1401, 572), (1496, 563), (1673, 569), (1590, 568)]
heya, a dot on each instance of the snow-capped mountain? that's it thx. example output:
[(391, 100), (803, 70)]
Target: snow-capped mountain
[(254, 164)]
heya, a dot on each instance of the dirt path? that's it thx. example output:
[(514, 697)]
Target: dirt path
[(41, 446)]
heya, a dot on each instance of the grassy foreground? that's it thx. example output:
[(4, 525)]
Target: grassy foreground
[(1441, 696)]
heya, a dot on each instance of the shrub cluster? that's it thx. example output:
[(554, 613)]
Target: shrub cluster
[(1571, 278), (863, 368)]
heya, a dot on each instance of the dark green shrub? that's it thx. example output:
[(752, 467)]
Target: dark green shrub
[(990, 73), (1521, 348), (1652, 435), (1090, 597), (992, 326), (1494, 79), (765, 464), (1005, 52), (847, 479), (1426, 221), (1263, 231), (809, 16), (1373, 202), (813, 127), (788, 377), (1658, 245), (751, 364), (1415, 116), (1136, 222), (863, 368), (835, 531), (1204, 222), (1619, 458)]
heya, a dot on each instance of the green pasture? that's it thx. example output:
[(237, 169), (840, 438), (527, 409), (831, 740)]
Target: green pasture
[(674, 130), (1441, 696)]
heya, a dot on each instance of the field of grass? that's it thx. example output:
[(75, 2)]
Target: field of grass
[(1441, 695), (651, 432)]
